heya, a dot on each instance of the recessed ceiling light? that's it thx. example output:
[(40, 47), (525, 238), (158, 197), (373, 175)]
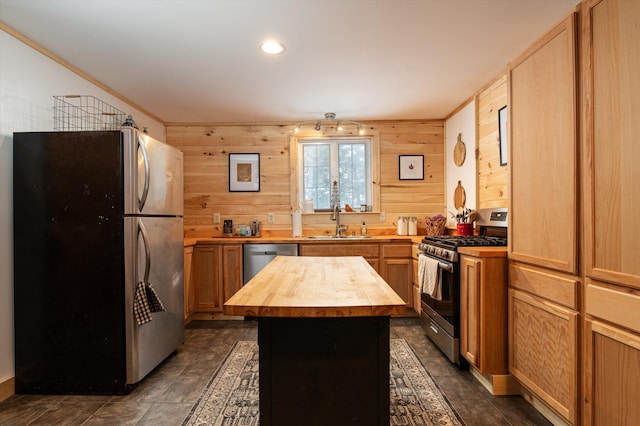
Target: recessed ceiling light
[(272, 47)]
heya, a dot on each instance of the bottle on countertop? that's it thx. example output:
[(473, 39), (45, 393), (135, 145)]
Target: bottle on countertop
[(412, 225), (402, 225), (363, 229)]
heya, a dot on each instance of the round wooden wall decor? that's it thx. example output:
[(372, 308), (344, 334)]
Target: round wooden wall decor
[(459, 151)]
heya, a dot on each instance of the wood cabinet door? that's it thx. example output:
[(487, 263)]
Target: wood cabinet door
[(398, 273), (542, 150), (612, 354), (231, 271), (206, 279), (611, 138), (612, 379), (543, 342), (189, 290), (483, 313), (470, 279)]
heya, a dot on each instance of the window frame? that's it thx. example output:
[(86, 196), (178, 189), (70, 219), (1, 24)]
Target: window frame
[(295, 160), (334, 149)]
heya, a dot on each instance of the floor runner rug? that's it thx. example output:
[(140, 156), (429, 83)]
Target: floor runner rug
[(232, 395)]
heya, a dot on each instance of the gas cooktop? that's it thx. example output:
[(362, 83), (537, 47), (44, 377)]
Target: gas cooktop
[(453, 241)]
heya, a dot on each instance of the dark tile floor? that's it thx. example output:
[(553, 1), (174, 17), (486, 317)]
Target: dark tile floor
[(167, 394)]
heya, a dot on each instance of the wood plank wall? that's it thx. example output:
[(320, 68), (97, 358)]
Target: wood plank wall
[(492, 177), (206, 149)]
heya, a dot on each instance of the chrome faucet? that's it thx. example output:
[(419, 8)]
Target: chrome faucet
[(336, 216)]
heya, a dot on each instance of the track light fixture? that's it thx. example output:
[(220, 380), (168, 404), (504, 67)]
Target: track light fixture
[(330, 118)]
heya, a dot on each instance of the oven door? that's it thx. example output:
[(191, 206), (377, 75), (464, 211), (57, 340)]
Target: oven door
[(444, 312)]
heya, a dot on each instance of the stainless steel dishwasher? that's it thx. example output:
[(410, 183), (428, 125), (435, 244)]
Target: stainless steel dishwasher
[(257, 256)]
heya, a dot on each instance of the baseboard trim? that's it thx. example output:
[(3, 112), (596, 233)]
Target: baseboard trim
[(497, 384), (7, 388), (543, 409)]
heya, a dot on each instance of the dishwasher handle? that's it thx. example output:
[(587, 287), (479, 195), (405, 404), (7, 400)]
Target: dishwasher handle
[(264, 253)]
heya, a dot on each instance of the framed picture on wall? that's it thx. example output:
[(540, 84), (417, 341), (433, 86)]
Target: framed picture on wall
[(411, 167), (244, 172), (502, 134)]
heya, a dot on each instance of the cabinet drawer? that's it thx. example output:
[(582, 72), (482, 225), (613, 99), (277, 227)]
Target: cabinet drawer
[(396, 250), (617, 305), (558, 288), (339, 249)]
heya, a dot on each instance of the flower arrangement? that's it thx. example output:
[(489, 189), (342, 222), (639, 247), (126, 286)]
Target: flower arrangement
[(435, 224)]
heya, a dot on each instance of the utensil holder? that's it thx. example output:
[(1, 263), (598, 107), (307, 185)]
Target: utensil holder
[(465, 228)]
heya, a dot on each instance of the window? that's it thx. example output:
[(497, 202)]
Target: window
[(345, 161)]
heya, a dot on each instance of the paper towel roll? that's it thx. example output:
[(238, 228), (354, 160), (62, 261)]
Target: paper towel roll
[(297, 224)]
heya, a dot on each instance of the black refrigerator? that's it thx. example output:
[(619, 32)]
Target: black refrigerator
[(98, 259)]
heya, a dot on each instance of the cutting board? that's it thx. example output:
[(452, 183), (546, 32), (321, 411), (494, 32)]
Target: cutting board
[(459, 196), (459, 151)]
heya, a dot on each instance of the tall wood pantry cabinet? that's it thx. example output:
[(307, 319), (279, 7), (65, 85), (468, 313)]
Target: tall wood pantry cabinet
[(611, 179), (544, 308)]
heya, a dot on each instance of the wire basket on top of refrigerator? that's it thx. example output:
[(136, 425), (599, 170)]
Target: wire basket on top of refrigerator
[(80, 112)]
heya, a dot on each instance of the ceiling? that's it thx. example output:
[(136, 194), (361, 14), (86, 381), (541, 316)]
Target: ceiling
[(198, 60)]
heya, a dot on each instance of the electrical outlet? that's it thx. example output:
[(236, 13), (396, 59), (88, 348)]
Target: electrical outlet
[(216, 218), (270, 217), (383, 217)]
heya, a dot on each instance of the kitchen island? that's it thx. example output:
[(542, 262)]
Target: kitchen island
[(323, 335)]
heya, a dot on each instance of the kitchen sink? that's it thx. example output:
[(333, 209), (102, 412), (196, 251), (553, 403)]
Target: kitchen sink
[(342, 237)]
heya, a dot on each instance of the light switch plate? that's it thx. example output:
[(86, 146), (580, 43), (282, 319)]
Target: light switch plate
[(270, 217), (383, 217), (216, 218)]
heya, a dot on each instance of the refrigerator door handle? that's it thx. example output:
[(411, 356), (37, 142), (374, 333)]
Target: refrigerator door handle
[(147, 255), (145, 157)]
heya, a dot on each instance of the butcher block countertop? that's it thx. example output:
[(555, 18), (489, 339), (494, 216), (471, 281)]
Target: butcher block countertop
[(307, 286), (484, 251), (192, 240)]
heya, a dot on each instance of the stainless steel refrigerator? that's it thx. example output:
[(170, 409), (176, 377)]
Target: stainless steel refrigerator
[(97, 216)]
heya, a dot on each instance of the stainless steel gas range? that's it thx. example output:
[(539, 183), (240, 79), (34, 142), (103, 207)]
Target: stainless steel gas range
[(440, 316)]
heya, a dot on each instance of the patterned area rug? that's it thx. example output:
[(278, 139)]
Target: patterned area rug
[(231, 396)]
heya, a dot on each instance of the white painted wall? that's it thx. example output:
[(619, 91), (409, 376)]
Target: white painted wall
[(28, 82), (463, 122)]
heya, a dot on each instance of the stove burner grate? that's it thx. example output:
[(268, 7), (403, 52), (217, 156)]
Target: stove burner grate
[(453, 241)]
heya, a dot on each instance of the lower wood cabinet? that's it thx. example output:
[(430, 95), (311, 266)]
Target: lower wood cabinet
[(483, 311), (206, 278), (612, 355), (231, 271), (396, 268), (543, 351), (217, 275), (544, 337), (612, 375), (398, 273)]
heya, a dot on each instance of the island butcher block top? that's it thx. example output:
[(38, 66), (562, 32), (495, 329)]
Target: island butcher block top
[(307, 286)]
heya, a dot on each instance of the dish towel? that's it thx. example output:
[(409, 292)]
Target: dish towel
[(145, 302), (429, 277)]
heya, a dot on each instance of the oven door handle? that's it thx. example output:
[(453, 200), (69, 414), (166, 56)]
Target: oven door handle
[(446, 266)]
